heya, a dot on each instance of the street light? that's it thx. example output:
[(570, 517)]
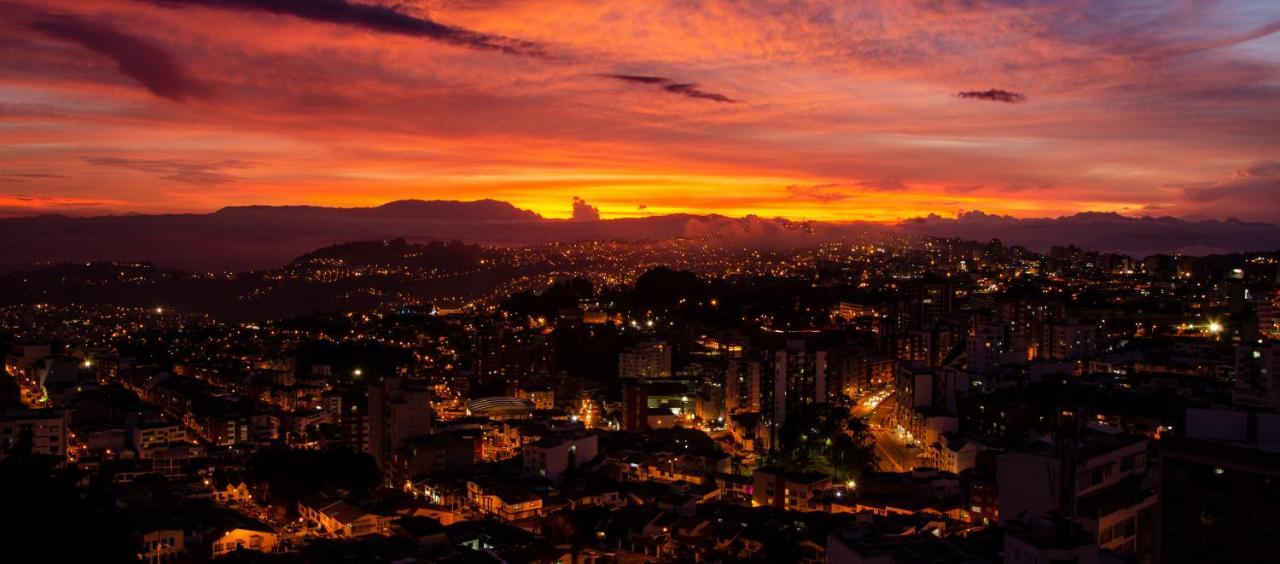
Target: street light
[(357, 373)]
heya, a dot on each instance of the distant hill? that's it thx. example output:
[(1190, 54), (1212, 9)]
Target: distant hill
[(249, 237), (1106, 232), (263, 237), (396, 252), (411, 210)]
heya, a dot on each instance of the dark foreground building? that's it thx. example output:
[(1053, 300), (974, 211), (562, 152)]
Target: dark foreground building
[(1219, 503)]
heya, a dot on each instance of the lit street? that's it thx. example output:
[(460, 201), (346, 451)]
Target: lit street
[(892, 451)]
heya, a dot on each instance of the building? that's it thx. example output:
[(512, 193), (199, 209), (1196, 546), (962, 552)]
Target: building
[(348, 421), (991, 346), (339, 518), (1112, 496), (649, 359), (925, 302), (1069, 340), (506, 502), (440, 454), (953, 453), (1257, 375), (158, 546), (1048, 540), (1219, 502), (1028, 315), (259, 539), (864, 545), (773, 487), (799, 374), (925, 347), (399, 410), (162, 432), (553, 455), (635, 406), (541, 398), (742, 386), (500, 408), (856, 369), (45, 428)]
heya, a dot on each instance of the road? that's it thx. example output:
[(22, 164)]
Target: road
[(892, 451)]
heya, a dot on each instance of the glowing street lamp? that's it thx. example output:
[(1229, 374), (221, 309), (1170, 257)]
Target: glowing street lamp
[(1215, 327)]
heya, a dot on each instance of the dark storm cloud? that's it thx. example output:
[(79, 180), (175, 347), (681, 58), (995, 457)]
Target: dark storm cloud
[(373, 17), (137, 58), (582, 211), (994, 95), (684, 88)]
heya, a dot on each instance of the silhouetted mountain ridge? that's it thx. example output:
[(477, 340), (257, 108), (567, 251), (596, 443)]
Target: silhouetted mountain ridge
[(262, 237), (451, 210), (1106, 232)]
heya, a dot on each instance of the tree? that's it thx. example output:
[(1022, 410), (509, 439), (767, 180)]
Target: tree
[(662, 288), (825, 439)]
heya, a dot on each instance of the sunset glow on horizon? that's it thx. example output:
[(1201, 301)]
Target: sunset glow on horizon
[(836, 111)]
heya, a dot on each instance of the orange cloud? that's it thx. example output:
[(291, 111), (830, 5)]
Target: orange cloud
[(841, 111)]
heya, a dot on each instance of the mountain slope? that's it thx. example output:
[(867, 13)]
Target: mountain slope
[(261, 237)]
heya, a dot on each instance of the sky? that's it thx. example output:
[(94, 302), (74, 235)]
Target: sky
[(840, 110)]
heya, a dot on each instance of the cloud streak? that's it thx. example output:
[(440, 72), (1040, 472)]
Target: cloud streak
[(373, 17), (137, 58), (817, 192), (669, 85), (186, 172), (994, 95)]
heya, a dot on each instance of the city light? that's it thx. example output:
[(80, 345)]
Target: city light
[(715, 281)]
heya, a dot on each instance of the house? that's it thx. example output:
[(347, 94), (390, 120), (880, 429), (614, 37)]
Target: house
[(229, 487), (239, 538), (341, 519), (160, 545), (507, 502)]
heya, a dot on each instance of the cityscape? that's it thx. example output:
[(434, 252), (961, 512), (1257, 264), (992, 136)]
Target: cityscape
[(563, 282), (916, 400)]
